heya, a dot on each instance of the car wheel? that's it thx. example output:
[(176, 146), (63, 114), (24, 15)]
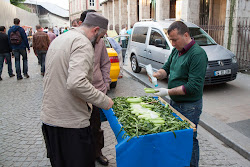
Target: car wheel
[(134, 65), (113, 84)]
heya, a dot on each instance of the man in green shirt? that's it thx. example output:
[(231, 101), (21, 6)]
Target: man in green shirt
[(186, 68)]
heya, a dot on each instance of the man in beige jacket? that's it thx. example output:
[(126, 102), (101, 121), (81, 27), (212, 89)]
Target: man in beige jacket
[(101, 81), (69, 94)]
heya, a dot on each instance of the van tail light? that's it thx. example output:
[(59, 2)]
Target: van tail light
[(114, 59)]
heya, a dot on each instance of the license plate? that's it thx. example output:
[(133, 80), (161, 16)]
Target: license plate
[(222, 72)]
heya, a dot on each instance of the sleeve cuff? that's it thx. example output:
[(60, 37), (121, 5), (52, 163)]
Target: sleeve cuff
[(184, 89)]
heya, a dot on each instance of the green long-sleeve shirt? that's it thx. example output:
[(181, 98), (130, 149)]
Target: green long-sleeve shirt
[(188, 70)]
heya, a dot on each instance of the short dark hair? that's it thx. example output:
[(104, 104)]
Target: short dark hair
[(83, 15), (75, 20), (38, 27), (2, 28), (180, 26), (16, 21)]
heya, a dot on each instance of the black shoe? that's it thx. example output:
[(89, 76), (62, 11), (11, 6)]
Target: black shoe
[(1, 79), (42, 73), (103, 160), (12, 75), (26, 75), (19, 78)]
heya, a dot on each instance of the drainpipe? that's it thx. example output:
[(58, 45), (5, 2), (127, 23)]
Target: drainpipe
[(230, 27)]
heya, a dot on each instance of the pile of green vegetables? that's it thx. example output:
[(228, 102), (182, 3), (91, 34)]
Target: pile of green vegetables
[(145, 115)]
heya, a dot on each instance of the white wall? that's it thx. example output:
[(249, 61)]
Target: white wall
[(54, 20), (9, 12)]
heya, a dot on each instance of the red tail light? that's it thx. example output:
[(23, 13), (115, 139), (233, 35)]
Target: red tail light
[(114, 59)]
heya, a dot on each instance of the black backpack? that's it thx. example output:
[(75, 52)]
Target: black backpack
[(15, 38)]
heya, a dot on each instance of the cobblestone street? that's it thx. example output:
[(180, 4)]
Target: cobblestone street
[(21, 140)]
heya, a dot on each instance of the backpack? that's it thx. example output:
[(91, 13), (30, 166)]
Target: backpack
[(15, 38)]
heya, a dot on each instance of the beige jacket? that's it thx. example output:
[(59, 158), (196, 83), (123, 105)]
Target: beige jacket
[(68, 91)]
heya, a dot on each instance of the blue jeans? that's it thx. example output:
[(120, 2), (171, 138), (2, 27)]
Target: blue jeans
[(17, 53), (192, 111), (42, 54), (124, 43), (8, 58)]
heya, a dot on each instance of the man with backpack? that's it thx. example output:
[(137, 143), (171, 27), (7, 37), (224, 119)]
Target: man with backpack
[(19, 42)]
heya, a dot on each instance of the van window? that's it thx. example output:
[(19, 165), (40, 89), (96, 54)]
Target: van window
[(140, 34), (200, 37), (157, 39)]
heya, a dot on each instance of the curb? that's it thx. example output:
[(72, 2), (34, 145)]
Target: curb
[(220, 130)]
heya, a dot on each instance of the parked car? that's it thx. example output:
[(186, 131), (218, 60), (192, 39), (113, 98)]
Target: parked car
[(149, 45), (114, 68)]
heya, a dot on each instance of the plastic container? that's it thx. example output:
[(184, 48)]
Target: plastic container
[(149, 70)]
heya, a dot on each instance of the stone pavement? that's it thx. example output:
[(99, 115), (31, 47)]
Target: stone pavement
[(21, 140)]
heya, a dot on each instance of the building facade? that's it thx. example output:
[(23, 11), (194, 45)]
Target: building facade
[(50, 15), (76, 7)]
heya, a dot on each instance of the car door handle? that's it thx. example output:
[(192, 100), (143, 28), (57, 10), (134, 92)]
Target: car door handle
[(149, 51), (145, 50)]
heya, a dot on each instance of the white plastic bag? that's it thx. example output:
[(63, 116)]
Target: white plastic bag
[(149, 70)]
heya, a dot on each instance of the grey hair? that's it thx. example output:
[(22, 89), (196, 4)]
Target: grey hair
[(101, 30)]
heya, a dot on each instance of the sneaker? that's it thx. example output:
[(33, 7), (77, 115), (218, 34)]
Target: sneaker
[(26, 75), (19, 78), (1, 79), (12, 75)]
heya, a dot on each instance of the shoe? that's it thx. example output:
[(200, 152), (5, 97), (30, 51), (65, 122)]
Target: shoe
[(42, 73), (102, 160), (19, 78), (12, 75), (26, 75), (1, 79)]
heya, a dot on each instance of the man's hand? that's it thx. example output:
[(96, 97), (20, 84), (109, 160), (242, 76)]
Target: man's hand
[(161, 92), (110, 104), (160, 74)]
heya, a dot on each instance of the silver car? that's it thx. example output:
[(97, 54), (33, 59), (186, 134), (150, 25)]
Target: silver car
[(149, 45)]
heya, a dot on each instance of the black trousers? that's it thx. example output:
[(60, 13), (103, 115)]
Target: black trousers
[(98, 137), (69, 147)]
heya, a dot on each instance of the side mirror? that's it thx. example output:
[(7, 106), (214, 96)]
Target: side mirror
[(158, 43)]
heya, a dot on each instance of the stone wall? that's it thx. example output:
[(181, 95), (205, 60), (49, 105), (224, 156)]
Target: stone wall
[(190, 10), (236, 11), (162, 9), (9, 12)]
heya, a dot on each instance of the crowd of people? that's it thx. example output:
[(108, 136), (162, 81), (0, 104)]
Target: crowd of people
[(77, 78)]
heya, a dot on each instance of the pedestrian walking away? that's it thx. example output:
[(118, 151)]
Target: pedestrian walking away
[(19, 42), (5, 50), (124, 39), (51, 35), (56, 31), (101, 81), (186, 68), (41, 43), (68, 94)]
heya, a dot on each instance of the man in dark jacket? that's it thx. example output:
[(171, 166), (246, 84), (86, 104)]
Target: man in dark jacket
[(19, 48), (5, 50)]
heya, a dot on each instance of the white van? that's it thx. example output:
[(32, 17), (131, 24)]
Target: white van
[(149, 45)]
